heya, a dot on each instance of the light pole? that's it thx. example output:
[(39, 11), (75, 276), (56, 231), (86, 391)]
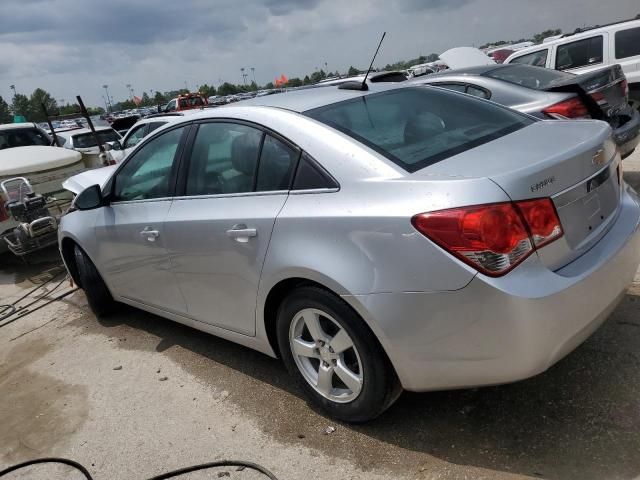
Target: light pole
[(106, 105), (244, 78), (128, 85), (106, 90), (13, 87), (253, 72)]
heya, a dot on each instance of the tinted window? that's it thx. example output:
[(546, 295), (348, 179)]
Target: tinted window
[(148, 173), (579, 53), (531, 77), (628, 43), (311, 176), (477, 92), (419, 126), (537, 59), (456, 87), (171, 106), (22, 137), (223, 159), (87, 140), (154, 126), (135, 136), (277, 162)]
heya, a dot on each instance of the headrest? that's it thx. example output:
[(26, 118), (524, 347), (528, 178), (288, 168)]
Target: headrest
[(244, 153)]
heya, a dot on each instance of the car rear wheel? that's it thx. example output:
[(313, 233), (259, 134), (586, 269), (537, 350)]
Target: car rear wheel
[(336, 359), (98, 295)]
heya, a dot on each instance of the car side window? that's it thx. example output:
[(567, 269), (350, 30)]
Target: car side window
[(456, 87), (277, 162), (171, 106), (224, 159), (154, 126), (310, 175), (148, 173), (478, 92), (579, 53), (134, 137), (628, 43), (537, 59)]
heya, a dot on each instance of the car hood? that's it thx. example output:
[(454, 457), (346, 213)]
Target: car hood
[(464, 57), (98, 176), (33, 159)]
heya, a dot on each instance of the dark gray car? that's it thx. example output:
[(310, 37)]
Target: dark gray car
[(545, 93)]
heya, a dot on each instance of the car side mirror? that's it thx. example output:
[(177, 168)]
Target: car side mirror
[(89, 199)]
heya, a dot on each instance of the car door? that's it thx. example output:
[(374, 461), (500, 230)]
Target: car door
[(235, 184), (131, 251)]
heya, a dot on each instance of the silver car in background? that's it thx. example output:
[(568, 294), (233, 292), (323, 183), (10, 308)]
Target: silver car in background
[(396, 237), (602, 94)]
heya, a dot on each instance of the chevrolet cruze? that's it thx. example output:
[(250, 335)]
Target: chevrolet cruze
[(380, 239)]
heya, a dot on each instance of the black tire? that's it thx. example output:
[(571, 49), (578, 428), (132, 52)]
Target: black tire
[(380, 385), (98, 295)]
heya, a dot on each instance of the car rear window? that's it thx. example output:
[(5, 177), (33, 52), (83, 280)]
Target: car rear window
[(22, 137), (87, 140), (538, 78), (416, 127)]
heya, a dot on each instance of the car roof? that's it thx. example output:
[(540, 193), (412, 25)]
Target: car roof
[(310, 98), (11, 126), (571, 37)]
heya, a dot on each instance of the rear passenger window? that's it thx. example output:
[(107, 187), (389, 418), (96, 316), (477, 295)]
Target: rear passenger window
[(537, 59), (310, 176), (154, 126), (579, 53), (456, 87), (223, 159), (628, 43), (277, 162), (477, 92)]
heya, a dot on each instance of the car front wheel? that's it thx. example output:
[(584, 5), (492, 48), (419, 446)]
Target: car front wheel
[(335, 357), (98, 295)]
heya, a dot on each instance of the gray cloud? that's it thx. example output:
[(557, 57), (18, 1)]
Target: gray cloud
[(72, 47)]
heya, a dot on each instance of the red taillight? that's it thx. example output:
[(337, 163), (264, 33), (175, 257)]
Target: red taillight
[(572, 108), (492, 238)]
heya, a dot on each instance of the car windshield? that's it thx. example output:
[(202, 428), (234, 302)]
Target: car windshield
[(538, 78), (22, 137), (86, 140), (418, 126)]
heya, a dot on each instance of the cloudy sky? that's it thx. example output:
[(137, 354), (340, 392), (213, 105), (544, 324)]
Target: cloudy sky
[(72, 47)]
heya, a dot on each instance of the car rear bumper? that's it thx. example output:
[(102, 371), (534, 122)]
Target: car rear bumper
[(627, 137), (500, 330)]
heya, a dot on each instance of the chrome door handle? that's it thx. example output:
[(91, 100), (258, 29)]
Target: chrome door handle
[(241, 233), (149, 234)]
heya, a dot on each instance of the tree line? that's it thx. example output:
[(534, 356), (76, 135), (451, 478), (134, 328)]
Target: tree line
[(30, 107)]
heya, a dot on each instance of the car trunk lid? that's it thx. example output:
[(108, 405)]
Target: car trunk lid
[(572, 162), (604, 92)]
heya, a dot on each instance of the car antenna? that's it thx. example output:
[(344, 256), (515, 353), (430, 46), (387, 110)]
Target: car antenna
[(362, 86)]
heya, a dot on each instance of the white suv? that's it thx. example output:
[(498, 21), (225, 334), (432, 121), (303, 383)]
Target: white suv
[(589, 50)]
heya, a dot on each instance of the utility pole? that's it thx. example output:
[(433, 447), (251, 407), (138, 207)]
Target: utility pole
[(110, 105)]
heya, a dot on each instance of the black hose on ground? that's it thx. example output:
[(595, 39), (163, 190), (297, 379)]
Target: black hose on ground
[(175, 473)]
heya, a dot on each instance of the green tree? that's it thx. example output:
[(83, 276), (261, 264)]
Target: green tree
[(353, 71), (159, 98), (207, 90), (269, 86), (227, 89), (294, 82), (306, 80), (69, 109), (5, 114), (39, 97), (21, 106), (146, 100)]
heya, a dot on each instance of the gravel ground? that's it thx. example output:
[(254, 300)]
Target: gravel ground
[(134, 395)]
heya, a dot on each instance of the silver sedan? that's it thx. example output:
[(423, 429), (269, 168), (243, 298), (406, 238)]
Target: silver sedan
[(396, 237)]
